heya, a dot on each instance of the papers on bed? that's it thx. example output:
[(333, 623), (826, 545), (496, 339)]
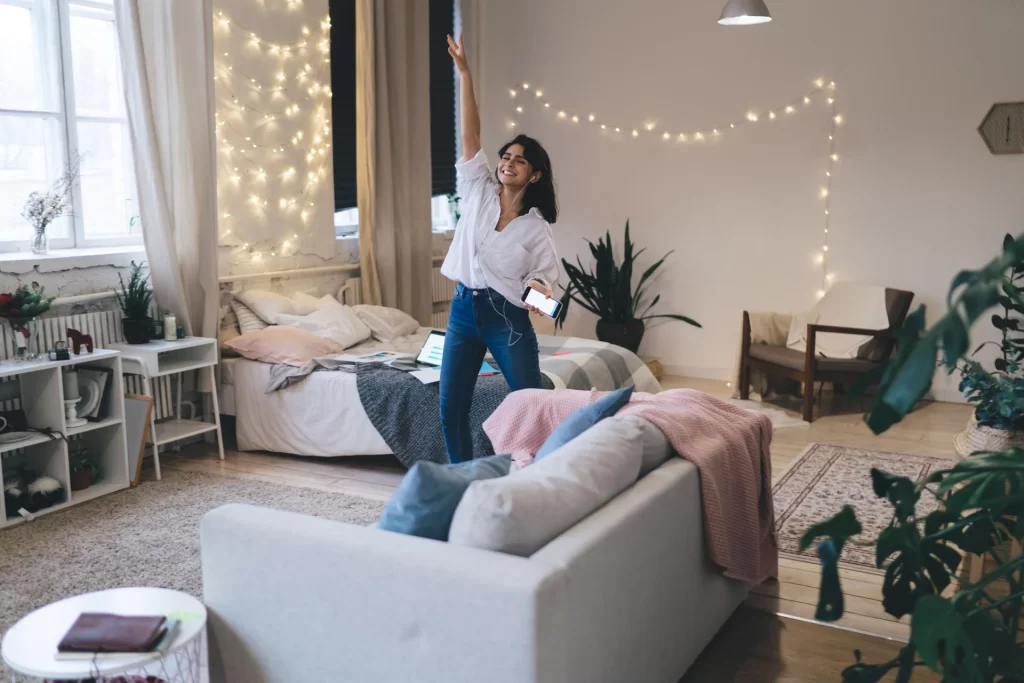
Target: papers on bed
[(431, 376)]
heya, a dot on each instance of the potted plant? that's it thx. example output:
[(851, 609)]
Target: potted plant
[(134, 299), (20, 308), (607, 291), (85, 470), (976, 508), (998, 396)]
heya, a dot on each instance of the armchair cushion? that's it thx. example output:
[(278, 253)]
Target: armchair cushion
[(794, 360), (847, 304)]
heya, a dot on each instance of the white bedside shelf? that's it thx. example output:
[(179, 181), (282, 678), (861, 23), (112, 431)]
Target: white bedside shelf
[(161, 359), (42, 400), (177, 429)]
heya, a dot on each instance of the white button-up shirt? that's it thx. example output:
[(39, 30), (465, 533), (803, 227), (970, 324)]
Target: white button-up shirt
[(480, 256)]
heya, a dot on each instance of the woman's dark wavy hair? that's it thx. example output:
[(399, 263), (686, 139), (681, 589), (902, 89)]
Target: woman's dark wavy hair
[(541, 194)]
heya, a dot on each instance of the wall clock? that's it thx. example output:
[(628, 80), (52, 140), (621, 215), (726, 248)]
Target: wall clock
[(1003, 128)]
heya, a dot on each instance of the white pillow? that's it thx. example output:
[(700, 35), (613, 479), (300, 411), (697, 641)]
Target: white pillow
[(247, 320), (304, 303), (267, 305), (332, 321), (524, 511), (385, 323)]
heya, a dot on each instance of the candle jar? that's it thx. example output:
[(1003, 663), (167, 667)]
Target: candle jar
[(170, 327)]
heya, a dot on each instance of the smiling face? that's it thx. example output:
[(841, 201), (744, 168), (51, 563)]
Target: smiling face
[(514, 171)]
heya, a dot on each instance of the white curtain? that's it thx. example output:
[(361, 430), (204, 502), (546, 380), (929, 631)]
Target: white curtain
[(167, 57), (393, 154)]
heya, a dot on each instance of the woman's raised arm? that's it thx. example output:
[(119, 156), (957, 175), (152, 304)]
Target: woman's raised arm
[(470, 115)]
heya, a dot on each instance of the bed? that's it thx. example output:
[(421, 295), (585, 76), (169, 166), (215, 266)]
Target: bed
[(324, 417)]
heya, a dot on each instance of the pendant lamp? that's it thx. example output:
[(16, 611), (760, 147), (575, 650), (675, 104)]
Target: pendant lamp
[(744, 12)]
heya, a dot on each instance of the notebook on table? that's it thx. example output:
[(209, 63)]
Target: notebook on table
[(100, 634)]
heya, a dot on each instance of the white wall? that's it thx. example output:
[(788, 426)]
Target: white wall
[(267, 228), (916, 197)]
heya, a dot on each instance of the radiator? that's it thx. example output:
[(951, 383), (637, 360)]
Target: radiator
[(442, 289), (105, 328), (351, 293)]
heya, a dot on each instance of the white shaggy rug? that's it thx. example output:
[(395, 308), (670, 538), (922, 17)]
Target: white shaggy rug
[(145, 536), (780, 418)]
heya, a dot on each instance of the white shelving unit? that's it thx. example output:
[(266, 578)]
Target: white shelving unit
[(163, 358), (42, 399)]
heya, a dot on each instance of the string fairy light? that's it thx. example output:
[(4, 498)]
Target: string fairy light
[(826, 90), (253, 129)]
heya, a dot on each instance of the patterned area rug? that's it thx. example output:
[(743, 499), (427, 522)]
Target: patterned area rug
[(824, 479)]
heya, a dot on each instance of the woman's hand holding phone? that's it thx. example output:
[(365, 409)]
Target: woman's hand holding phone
[(543, 289)]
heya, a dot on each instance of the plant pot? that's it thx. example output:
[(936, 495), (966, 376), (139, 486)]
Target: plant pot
[(627, 334), (82, 479), (976, 438), (137, 331)]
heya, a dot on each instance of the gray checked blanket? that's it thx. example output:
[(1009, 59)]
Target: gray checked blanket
[(406, 412)]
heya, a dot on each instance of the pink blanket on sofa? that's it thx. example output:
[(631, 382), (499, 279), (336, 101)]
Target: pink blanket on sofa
[(729, 446)]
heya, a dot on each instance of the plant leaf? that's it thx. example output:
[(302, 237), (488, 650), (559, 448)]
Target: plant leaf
[(671, 316), (938, 634)]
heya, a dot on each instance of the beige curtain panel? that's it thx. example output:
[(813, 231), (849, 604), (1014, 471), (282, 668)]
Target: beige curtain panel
[(393, 154)]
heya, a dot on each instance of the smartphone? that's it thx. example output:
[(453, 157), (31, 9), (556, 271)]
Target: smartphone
[(546, 305)]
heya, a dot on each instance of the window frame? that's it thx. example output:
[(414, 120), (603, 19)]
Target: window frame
[(57, 42)]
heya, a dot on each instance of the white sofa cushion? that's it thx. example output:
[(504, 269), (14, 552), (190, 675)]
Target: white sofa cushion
[(521, 513), (655, 448)]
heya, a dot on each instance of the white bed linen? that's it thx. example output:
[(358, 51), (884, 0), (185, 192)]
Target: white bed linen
[(323, 416)]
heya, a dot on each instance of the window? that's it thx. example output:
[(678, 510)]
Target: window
[(61, 95), (442, 114)]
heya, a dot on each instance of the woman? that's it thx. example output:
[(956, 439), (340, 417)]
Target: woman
[(502, 245)]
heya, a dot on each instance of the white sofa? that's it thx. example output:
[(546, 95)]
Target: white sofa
[(626, 595)]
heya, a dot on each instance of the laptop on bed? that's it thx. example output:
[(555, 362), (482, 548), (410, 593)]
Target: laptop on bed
[(430, 356)]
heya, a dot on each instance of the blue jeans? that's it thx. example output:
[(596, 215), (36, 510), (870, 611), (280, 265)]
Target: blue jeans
[(482, 319)]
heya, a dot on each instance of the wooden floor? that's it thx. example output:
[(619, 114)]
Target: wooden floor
[(758, 647), (774, 649)]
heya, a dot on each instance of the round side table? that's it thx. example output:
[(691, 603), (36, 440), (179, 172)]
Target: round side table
[(29, 646)]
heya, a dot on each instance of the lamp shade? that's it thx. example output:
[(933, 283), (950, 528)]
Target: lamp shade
[(741, 12)]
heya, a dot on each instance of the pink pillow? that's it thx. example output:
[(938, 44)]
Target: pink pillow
[(280, 344)]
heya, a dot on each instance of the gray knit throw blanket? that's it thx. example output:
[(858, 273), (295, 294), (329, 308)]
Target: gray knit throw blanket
[(407, 412)]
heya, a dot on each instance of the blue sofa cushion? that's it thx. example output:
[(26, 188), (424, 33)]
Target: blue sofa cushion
[(424, 503), (585, 418)]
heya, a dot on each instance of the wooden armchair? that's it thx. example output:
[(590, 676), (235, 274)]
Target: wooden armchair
[(807, 367)]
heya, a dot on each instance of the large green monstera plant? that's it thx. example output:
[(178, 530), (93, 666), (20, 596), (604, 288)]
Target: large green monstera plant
[(969, 635)]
